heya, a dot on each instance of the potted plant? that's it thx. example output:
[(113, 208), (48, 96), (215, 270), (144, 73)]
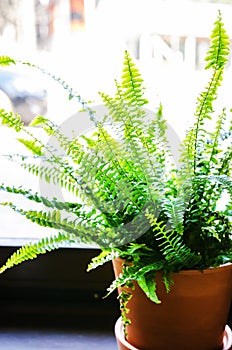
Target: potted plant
[(156, 218)]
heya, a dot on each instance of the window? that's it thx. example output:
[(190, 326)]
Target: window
[(82, 41)]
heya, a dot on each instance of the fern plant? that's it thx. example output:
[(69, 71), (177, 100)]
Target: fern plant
[(130, 198)]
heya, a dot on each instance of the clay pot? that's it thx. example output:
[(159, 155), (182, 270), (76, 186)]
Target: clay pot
[(195, 312), (124, 345)]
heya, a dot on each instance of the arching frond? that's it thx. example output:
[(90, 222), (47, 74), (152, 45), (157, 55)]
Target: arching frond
[(217, 58), (32, 250), (175, 252), (6, 61)]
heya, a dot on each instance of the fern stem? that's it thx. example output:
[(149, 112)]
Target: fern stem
[(201, 115), (70, 90)]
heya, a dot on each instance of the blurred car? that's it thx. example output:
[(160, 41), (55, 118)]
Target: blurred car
[(24, 93)]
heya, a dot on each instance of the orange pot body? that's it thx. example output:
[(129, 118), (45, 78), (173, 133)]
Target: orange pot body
[(192, 316)]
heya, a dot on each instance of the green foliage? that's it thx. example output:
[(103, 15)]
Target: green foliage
[(177, 254), (130, 198), (32, 146), (196, 138), (124, 297), (31, 251), (11, 120), (6, 61)]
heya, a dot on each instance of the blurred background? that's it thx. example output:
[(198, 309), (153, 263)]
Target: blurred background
[(82, 41)]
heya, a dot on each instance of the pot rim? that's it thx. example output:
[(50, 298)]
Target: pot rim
[(209, 270), (205, 271)]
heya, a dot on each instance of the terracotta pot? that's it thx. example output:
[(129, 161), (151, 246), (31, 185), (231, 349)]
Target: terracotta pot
[(195, 312), (124, 345)]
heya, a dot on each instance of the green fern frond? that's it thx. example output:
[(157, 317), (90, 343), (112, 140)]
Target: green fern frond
[(213, 147), (101, 259), (132, 82), (219, 50), (136, 273), (225, 166), (174, 209), (124, 297), (168, 281), (11, 120), (50, 172), (148, 285), (104, 172), (38, 146), (51, 219), (58, 171), (38, 120), (6, 61), (32, 146), (32, 250), (88, 227), (71, 92), (174, 250), (35, 197), (223, 180), (140, 140), (217, 58), (52, 130)]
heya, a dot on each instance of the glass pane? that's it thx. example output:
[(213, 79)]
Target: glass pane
[(82, 42)]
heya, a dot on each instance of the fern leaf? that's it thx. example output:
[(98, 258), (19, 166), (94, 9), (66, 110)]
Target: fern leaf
[(11, 120), (217, 58), (86, 231), (171, 245), (6, 61), (31, 251), (71, 92), (148, 285), (132, 82), (137, 273), (50, 203), (168, 281), (32, 146), (101, 259), (140, 142), (218, 52), (174, 209), (51, 172), (52, 130), (223, 180)]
